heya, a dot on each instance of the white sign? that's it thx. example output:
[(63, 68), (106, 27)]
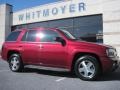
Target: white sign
[(50, 12)]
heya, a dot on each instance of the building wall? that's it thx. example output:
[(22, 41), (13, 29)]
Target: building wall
[(111, 23), (57, 10), (5, 21), (2, 24), (109, 9)]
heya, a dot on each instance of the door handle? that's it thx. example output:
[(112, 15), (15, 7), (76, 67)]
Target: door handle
[(20, 46), (41, 46)]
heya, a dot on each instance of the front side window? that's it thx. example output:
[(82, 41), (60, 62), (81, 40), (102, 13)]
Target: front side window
[(47, 36), (67, 34), (30, 36), (13, 36)]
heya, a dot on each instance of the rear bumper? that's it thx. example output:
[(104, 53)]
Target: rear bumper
[(109, 64)]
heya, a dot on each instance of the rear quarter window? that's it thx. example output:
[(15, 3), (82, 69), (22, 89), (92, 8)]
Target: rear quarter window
[(13, 36)]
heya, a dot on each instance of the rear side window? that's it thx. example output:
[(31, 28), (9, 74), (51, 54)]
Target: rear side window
[(30, 36), (13, 36)]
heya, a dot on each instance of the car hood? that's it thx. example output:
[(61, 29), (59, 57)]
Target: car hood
[(91, 44)]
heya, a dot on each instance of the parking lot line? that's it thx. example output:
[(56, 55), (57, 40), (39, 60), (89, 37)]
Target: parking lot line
[(58, 80)]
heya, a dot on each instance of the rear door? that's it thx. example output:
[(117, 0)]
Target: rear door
[(29, 46)]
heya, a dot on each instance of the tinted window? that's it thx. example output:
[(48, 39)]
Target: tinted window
[(88, 27), (29, 36), (13, 36), (48, 36)]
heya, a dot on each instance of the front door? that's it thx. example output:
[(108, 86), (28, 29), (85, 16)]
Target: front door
[(52, 53)]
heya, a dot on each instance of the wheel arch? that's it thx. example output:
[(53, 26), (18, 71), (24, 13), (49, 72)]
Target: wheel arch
[(10, 52)]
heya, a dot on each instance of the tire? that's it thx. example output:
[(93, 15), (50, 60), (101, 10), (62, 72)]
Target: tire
[(15, 63), (87, 68)]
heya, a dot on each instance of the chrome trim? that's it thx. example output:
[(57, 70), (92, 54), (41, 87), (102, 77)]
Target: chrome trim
[(47, 68)]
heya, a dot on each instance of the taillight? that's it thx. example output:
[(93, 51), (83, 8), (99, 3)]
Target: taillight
[(2, 48), (1, 51)]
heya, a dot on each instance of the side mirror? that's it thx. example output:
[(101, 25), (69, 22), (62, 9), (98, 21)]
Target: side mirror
[(61, 40)]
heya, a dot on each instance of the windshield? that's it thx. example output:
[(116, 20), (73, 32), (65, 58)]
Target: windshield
[(68, 34)]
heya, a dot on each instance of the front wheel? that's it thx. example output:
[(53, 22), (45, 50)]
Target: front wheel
[(87, 67), (15, 63)]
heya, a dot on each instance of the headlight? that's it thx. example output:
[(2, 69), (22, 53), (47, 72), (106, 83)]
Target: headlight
[(111, 52)]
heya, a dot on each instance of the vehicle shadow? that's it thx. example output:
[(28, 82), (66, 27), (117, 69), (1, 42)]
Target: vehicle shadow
[(49, 72), (114, 76)]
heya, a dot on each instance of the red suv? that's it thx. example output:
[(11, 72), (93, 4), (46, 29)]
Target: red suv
[(57, 48)]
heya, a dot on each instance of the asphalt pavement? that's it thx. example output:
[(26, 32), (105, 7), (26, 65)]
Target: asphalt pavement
[(37, 79)]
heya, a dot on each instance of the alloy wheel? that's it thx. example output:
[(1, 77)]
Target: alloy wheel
[(14, 63), (86, 69)]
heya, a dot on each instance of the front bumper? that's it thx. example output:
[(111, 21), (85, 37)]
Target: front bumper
[(110, 64), (116, 63)]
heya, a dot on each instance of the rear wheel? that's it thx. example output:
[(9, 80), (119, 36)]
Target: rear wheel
[(87, 67), (15, 63)]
